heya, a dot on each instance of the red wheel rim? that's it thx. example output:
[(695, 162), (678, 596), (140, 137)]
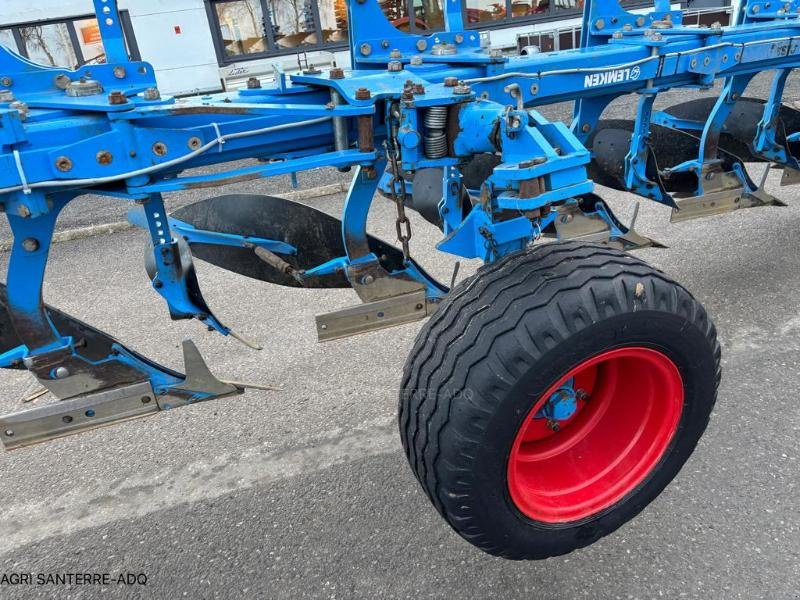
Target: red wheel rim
[(607, 447)]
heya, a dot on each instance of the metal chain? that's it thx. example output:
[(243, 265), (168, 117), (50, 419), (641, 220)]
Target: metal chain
[(402, 224)]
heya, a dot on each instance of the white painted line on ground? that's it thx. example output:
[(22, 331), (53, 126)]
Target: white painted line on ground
[(138, 495)]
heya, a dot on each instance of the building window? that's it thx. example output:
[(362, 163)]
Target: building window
[(68, 43), (241, 25), (250, 29)]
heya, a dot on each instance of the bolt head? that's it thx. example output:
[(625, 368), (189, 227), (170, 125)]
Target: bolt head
[(159, 148), (30, 244), (63, 164), (395, 66), (104, 157), (62, 372)]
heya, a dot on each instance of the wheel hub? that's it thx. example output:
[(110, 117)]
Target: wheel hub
[(573, 458)]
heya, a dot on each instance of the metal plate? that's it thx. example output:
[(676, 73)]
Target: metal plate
[(372, 316), (73, 416)]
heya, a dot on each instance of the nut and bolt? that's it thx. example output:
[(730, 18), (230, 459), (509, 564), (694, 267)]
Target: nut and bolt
[(83, 87), (462, 89), (151, 93), (63, 164), (336, 73), (421, 45), (395, 53), (117, 98), (61, 372), (7, 96), (367, 279), (6, 81), (599, 24), (104, 157), (363, 94), (119, 72), (496, 52), (450, 81), (640, 21), (627, 27), (419, 89), (160, 149), (459, 38), (395, 66), (62, 81), (253, 83), (384, 44), (617, 35), (30, 244), (365, 49), (194, 142), (416, 61), (23, 211)]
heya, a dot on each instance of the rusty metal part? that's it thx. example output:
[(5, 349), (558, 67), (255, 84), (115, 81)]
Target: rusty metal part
[(366, 138), (117, 98)]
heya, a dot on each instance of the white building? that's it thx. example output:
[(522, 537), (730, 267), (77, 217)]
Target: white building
[(206, 45)]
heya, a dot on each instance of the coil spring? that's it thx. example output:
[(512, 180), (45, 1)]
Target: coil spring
[(435, 144), (435, 141), (436, 117)]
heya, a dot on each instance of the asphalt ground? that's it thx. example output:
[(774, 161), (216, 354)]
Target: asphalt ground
[(305, 492)]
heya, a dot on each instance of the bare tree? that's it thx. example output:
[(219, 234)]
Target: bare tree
[(33, 37)]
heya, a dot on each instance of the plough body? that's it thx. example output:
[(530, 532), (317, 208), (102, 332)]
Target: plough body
[(441, 125)]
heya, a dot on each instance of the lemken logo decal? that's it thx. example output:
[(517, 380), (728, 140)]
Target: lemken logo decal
[(616, 76)]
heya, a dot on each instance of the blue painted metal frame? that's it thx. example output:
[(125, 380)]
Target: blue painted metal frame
[(125, 141)]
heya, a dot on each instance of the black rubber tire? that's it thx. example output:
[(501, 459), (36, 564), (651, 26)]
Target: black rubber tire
[(505, 336)]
